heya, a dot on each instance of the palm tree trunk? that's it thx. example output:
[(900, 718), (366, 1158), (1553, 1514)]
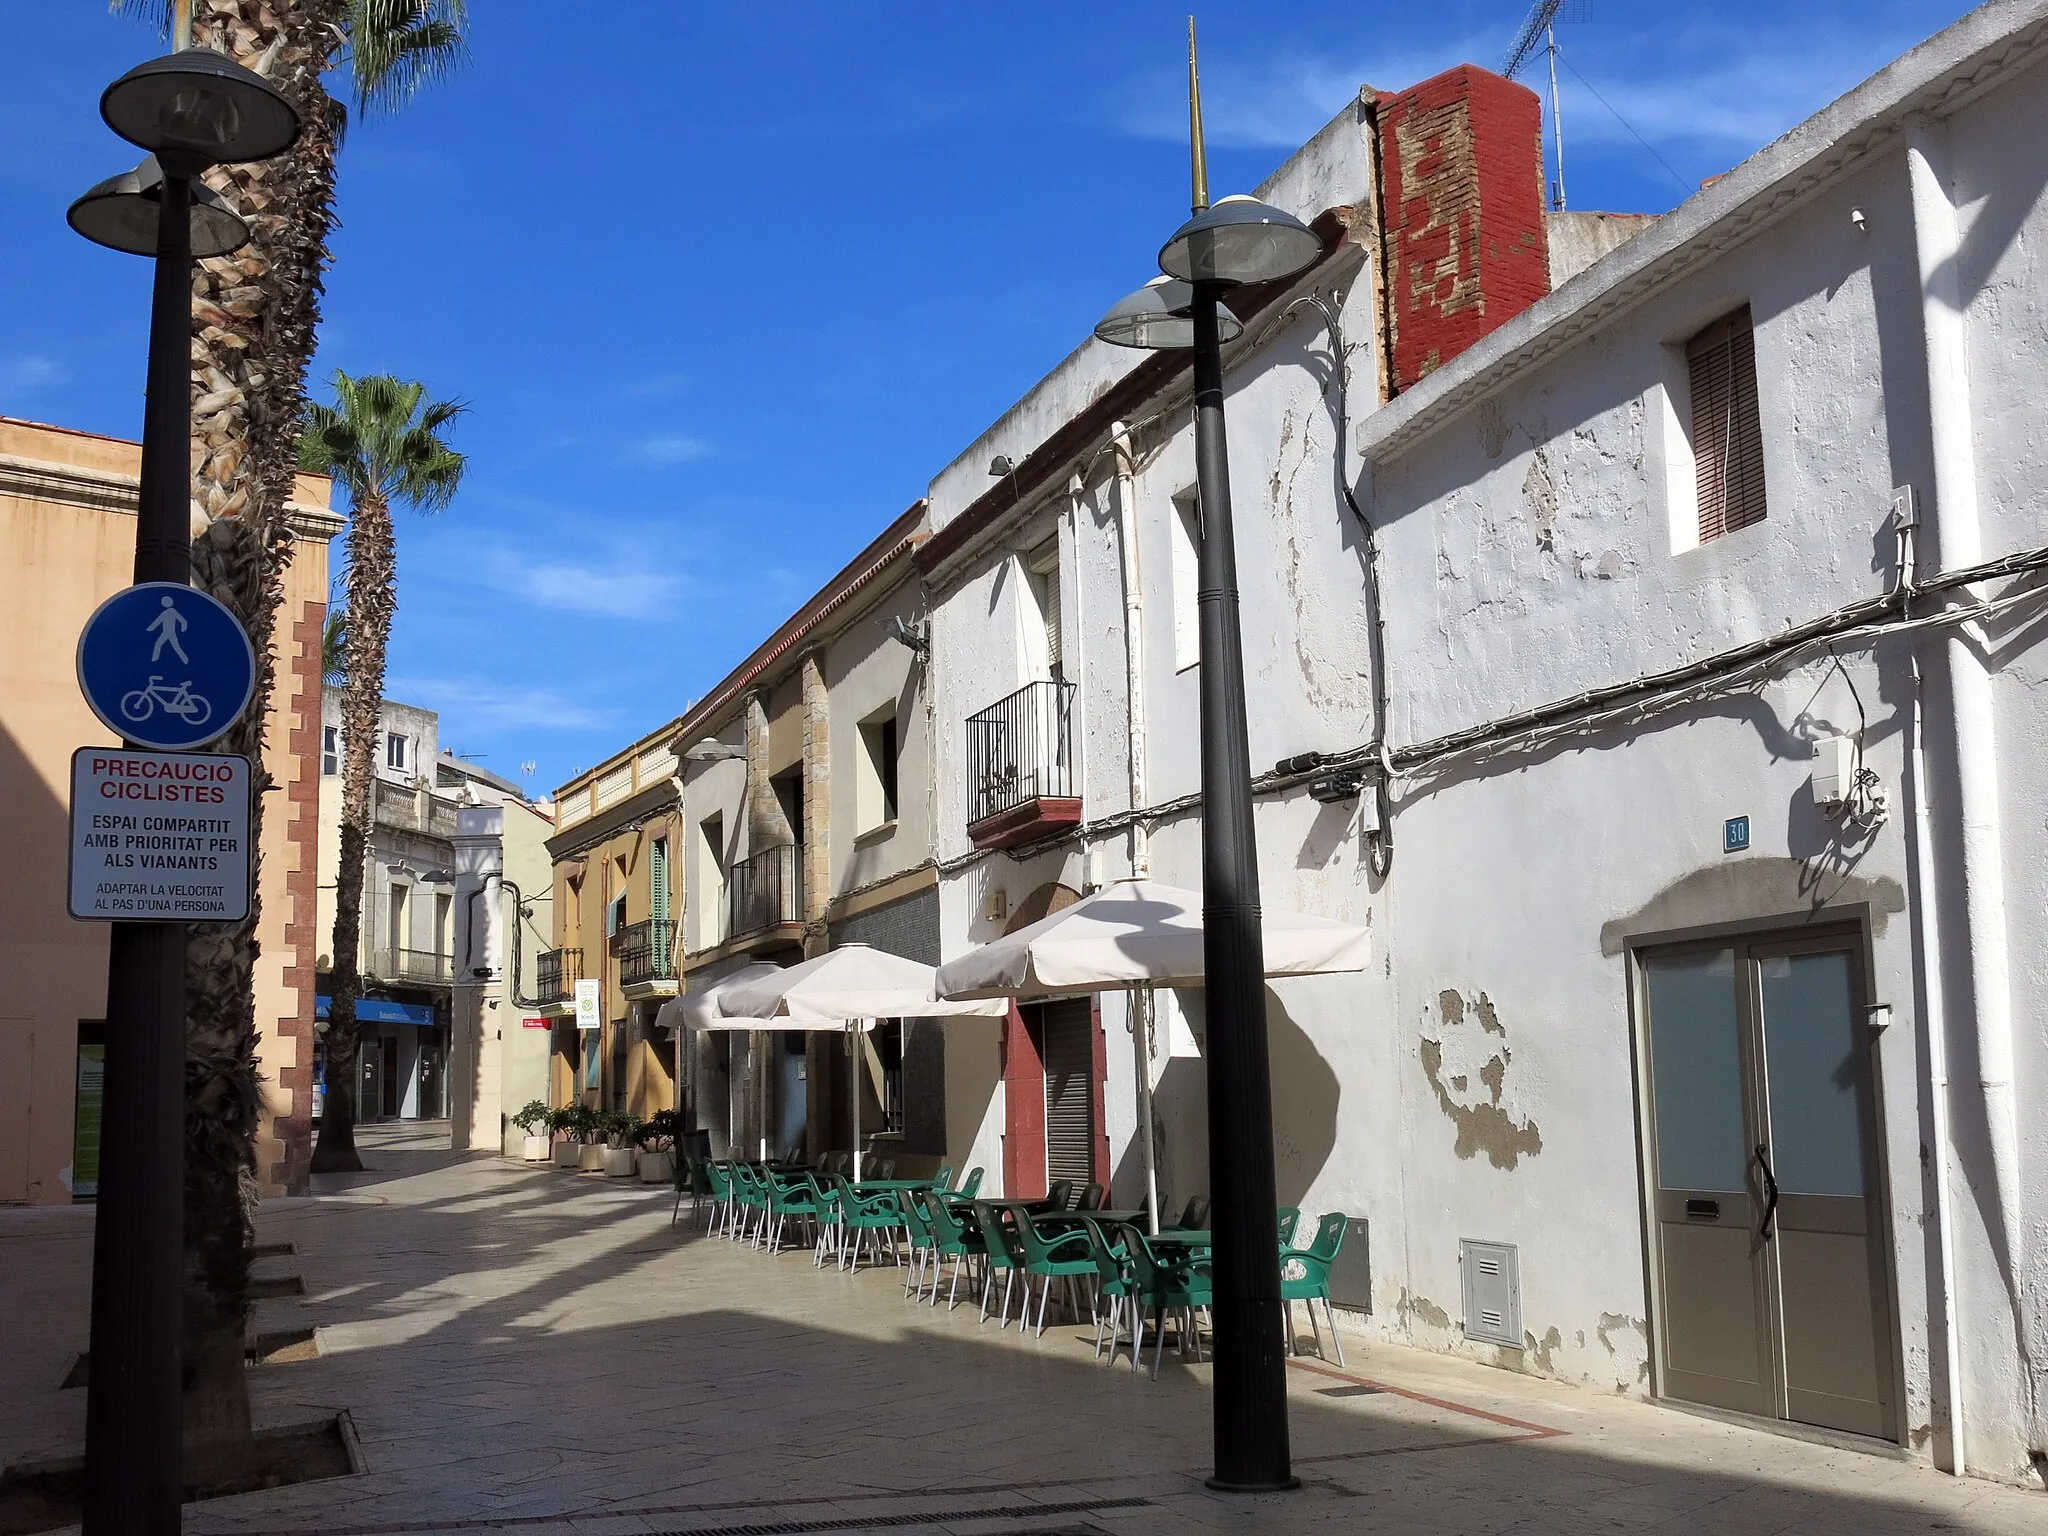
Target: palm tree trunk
[(372, 577), (253, 321)]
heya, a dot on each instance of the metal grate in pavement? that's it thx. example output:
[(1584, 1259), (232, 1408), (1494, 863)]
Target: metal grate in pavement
[(937, 1517)]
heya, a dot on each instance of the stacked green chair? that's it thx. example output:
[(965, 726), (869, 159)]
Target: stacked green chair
[(1114, 1283), (969, 1186), (831, 1229), (942, 1181), (1057, 1197), (1091, 1198), (1048, 1256), (1288, 1216), (720, 1175), (1305, 1276)]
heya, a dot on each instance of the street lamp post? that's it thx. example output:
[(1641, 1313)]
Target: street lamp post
[(189, 110), (1239, 240)]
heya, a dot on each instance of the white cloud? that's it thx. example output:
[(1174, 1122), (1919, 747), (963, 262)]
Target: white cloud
[(472, 704), (621, 588), (671, 448), (25, 373)]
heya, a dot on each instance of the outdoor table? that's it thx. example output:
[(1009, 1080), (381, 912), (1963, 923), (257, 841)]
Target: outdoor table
[(890, 1186), (1181, 1237), (1111, 1218)]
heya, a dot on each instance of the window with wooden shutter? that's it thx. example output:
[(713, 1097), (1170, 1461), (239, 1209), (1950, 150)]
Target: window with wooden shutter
[(1727, 434), (1044, 566)]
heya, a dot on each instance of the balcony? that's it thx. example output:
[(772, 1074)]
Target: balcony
[(422, 967), (765, 893), (556, 973), (647, 961), (1021, 786)]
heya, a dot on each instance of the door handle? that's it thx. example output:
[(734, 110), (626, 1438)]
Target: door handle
[(1763, 1161)]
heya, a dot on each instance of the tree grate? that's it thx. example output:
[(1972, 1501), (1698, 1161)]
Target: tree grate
[(937, 1517)]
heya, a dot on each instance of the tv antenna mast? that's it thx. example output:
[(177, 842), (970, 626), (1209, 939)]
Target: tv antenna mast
[(1539, 34)]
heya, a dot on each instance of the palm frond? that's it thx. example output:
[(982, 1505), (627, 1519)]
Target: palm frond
[(382, 438), (334, 648), (396, 48)]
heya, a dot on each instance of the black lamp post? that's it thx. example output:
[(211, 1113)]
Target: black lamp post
[(1239, 240), (189, 110)]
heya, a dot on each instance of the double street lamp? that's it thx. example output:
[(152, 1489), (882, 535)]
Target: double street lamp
[(1236, 241), (189, 110)]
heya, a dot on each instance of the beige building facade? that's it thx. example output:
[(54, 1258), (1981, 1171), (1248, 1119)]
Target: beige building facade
[(67, 541)]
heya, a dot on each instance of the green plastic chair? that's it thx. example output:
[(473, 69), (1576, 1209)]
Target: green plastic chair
[(692, 1178), (1305, 1276), (923, 1247), (1114, 1283), (1166, 1285), (942, 1181), (971, 1185), (1059, 1194), (1000, 1245), (1049, 1256), (792, 1195), (1288, 1216), (865, 1216), (954, 1236)]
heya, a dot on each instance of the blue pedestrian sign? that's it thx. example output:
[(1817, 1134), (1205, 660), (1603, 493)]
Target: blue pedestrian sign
[(165, 666)]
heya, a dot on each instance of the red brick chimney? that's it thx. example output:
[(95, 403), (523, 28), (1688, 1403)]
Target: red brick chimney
[(1461, 186)]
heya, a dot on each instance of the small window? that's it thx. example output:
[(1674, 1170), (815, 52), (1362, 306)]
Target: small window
[(1727, 433), (1044, 572), (875, 801), (330, 750), (1187, 580), (396, 751)]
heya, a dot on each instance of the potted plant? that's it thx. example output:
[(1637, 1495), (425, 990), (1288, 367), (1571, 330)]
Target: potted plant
[(538, 1122), (591, 1126), (656, 1140), (567, 1125), (619, 1154)]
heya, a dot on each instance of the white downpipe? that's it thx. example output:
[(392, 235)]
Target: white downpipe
[(1935, 1019), (1960, 542), (1141, 1004), (856, 1044)]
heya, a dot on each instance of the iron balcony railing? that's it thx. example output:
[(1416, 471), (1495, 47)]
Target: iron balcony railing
[(431, 966), (647, 951), (765, 891), (556, 973), (1021, 749)]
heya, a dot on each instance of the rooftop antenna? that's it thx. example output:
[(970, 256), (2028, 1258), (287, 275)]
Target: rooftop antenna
[(1539, 28), (1198, 153)]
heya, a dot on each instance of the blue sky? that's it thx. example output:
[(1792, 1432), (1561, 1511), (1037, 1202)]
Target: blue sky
[(724, 285)]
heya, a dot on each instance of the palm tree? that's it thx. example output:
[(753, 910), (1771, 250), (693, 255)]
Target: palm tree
[(254, 318), (381, 441)]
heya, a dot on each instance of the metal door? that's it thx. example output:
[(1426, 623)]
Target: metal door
[(1774, 1292), (1068, 1042)]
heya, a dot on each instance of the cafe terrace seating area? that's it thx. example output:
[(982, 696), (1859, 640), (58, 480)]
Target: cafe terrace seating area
[(1065, 1251)]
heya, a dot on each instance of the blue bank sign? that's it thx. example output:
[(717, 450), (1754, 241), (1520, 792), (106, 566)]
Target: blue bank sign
[(165, 666)]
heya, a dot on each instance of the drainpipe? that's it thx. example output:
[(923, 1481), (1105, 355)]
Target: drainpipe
[(1140, 1002), (1937, 1061), (1078, 717), (1960, 543)]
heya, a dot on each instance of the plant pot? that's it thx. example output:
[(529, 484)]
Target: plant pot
[(566, 1153), (618, 1162), (657, 1167), (536, 1149), (590, 1158)]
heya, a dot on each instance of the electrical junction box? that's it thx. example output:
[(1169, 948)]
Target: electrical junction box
[(1491, 1277), (1834, 769)]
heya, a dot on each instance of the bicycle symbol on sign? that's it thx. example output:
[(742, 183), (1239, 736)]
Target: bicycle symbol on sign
[(157, 694)]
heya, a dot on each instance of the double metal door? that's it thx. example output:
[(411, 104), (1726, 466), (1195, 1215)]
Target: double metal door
[(1774, 1289)]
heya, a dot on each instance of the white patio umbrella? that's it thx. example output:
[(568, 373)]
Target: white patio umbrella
[(1134, 935), (849, 988)]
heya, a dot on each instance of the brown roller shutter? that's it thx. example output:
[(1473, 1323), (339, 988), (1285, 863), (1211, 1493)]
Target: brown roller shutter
[(1068, 1033), (1727, 434)]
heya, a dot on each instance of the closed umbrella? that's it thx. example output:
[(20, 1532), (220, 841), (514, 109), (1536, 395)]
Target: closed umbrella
[(850, 987), (1137, 934)]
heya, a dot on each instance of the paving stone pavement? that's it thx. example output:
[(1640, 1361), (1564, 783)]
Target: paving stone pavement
[(521, 1350)]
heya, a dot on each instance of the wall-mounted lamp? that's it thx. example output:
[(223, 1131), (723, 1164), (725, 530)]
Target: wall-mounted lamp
[(913, 634), (712, 750)]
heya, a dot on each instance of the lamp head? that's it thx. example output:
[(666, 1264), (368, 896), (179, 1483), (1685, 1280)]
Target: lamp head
[(1158, 317), (1240, 240), (712, 750), (121, 214), (201, 107)]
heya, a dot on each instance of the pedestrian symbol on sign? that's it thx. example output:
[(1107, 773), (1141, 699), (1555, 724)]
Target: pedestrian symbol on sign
[(166, 625)]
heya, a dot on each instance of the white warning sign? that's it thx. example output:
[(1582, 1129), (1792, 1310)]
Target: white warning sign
[(159, 836)]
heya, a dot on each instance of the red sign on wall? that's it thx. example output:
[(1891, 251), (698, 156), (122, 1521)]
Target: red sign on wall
[(534, 1021)]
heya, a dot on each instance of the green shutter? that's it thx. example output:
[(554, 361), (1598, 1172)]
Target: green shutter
[(657, 876)]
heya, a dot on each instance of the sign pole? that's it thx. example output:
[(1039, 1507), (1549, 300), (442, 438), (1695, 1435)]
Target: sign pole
[(133, 1412)]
